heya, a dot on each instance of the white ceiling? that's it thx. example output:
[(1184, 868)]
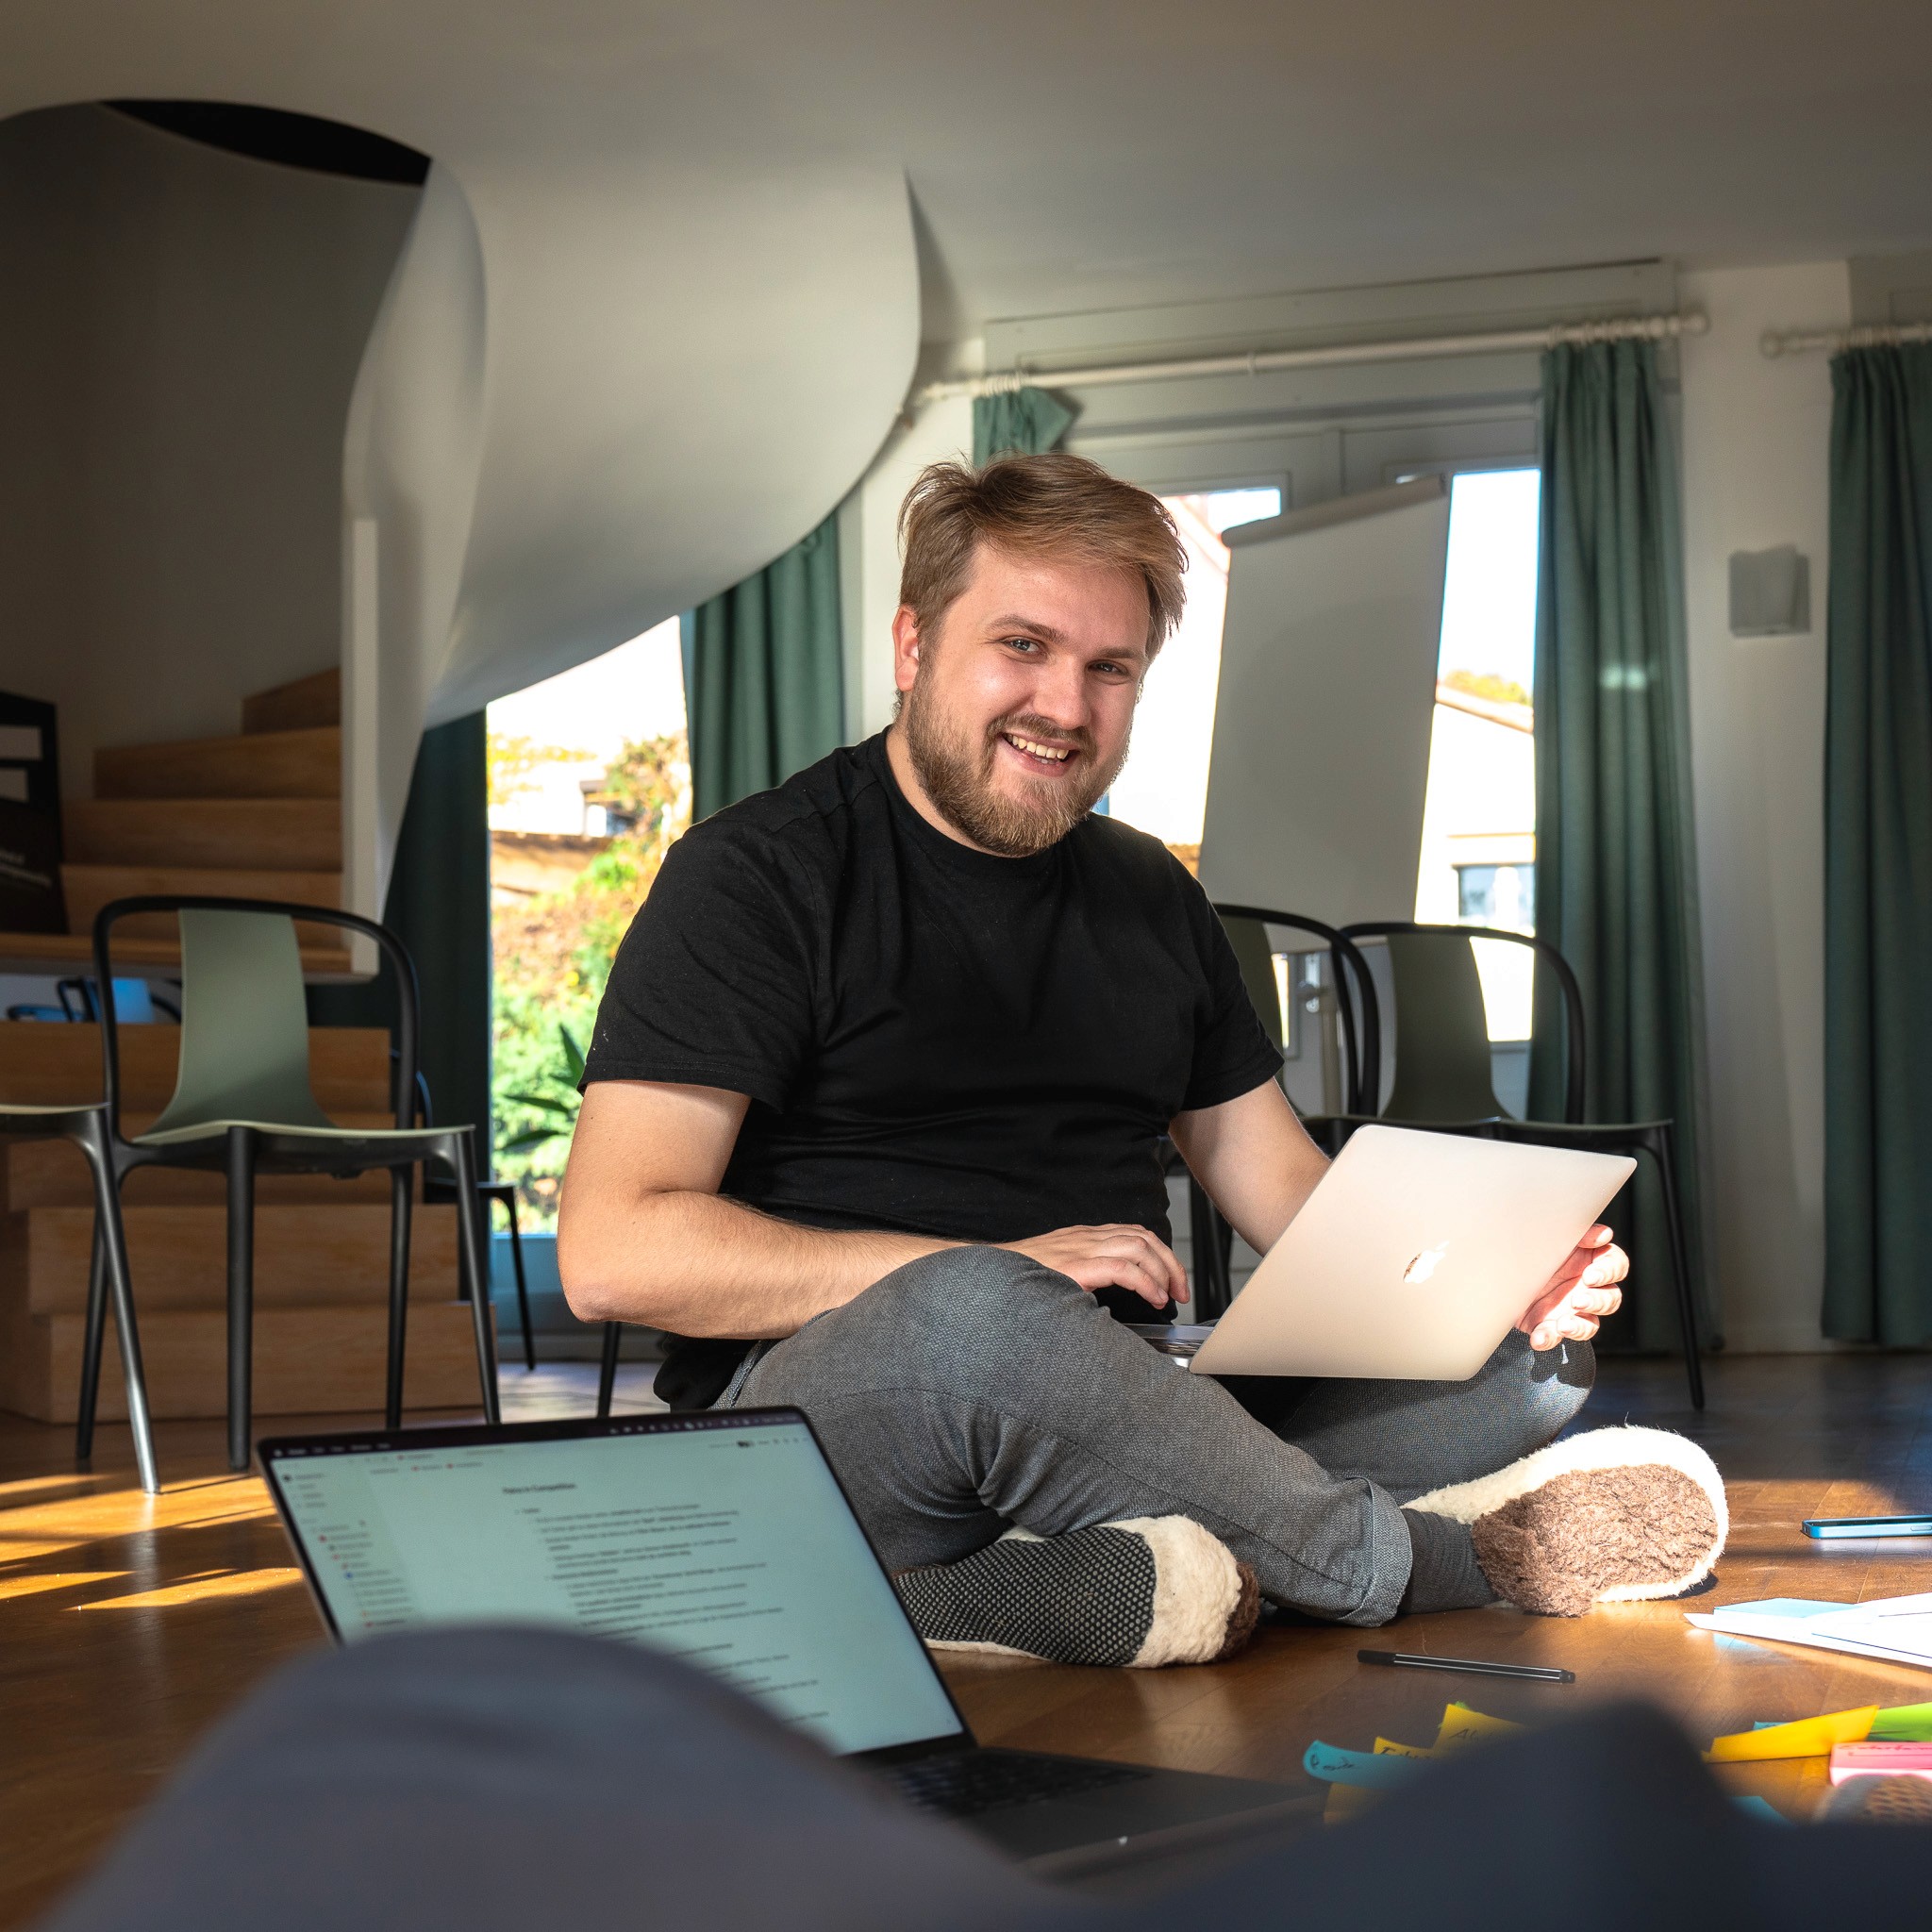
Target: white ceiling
[(1068, 154)]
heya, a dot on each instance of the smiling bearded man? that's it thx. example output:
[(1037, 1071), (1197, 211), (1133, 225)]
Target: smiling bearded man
[(875, 1122)]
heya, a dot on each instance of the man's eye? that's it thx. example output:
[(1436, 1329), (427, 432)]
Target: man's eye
[(1022, 645)]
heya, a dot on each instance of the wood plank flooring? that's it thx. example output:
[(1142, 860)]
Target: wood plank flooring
[(127, 1624)]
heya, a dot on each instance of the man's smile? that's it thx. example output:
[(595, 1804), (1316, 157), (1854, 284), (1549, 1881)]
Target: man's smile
[(1039, 755)]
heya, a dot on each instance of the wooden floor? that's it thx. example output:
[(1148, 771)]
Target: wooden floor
[(128, 1624)]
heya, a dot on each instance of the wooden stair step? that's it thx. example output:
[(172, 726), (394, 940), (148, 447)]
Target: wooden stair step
[(306, 1362), (88, 888), (53, 1173), (62, 955), (50, 1064), (310, 1256), (263, 764), (298, 705), (299, 835)]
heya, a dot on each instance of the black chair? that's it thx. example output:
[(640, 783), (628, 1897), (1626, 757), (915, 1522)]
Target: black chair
[(1359, 1016), (107, 1278), (244, 1105), (1443, 1079), (488, 1194), (503, 1194), (606, 1373)]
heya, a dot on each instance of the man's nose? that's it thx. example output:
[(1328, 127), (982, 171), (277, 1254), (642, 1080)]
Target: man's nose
[(1060, 696)]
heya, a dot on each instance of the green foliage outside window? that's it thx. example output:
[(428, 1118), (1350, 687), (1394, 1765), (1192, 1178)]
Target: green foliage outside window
[(553, 956)]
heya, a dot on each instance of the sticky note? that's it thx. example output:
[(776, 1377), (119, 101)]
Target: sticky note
[(1904, 1723), (1462, 1726), (1387, 1747), (1809, 1737), (1895, 1757), (1336, 1766), (1346, 1802), (1762, 1809)]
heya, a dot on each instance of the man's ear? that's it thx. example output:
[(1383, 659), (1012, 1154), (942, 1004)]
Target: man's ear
[(906, 647)]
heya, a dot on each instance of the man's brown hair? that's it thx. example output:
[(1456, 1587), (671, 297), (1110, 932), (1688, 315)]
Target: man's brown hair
[(1048, 506)]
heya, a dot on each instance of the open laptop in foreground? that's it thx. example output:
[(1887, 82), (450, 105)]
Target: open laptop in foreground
[(1414, 1256), (724, 1538)]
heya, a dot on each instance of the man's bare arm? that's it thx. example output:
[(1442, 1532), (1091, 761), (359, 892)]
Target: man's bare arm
[(643, 1236), (1255, 1159)]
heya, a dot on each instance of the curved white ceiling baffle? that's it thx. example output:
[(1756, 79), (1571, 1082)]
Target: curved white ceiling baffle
[(410, 469), (594, 397), (643, 336)]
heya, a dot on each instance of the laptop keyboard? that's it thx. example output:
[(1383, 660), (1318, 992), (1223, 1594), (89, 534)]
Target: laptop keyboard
[(966, 1783)]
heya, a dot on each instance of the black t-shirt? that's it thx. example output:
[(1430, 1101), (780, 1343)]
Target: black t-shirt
[(933, 1041)]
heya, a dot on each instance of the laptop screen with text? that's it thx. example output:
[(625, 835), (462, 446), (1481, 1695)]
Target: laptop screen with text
[(722, 1540)]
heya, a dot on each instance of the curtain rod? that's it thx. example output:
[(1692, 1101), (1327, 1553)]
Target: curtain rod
[(1652, 328), (1799, 341)]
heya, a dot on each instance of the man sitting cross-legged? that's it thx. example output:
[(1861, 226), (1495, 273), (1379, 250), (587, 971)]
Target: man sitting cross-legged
[(873, 1120)]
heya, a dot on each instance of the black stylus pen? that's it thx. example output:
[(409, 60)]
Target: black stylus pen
[(1541, 1674)]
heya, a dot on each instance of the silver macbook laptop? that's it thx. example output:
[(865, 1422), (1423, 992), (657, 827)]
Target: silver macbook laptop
[(1414, 1256), (726, 1541)]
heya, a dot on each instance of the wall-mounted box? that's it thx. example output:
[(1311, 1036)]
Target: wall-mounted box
[(1771, 593)]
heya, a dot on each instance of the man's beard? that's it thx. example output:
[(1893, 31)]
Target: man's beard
[(957, 777)]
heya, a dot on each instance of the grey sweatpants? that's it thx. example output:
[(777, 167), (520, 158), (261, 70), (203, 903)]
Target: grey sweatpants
[(975, 1389)]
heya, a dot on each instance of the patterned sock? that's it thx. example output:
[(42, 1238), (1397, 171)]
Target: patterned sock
[(1146, 1592)]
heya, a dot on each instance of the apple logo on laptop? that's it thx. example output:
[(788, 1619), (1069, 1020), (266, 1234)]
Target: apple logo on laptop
[(1425, 1265)]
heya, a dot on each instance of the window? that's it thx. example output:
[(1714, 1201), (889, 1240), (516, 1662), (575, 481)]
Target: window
[(1163, 785), (1478, 864), (1498, 896)]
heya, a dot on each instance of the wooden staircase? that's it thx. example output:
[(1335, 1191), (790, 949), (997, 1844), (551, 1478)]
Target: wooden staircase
[(258, 815)]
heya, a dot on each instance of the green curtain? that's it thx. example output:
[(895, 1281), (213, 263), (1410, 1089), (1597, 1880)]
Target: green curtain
[(1026, 421), (1616, 875), (1878, 851), (764, 674), (438, 907)]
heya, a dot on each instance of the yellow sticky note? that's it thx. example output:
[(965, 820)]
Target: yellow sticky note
[(1348, 1801), (1387, 1747), (1809, 1737), (1461, 1726)]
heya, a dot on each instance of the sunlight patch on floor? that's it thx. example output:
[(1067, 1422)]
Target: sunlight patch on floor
[(194, 1590)]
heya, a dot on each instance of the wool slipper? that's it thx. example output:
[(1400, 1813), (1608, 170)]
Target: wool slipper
[(1153, 1589), (1612, 1516)]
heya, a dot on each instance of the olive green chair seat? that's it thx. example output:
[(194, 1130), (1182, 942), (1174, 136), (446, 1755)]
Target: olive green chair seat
[(243, 1104)]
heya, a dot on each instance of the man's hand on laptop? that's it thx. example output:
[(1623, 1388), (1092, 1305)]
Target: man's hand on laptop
[(1581, 1293), (1118, 1255)]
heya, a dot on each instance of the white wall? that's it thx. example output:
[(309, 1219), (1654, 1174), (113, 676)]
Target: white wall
[(1756, 438), (869, 555), (179, 331)]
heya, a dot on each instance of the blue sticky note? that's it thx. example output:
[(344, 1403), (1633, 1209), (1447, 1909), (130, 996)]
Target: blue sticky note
[(1762, 1809), (1373, 1771)]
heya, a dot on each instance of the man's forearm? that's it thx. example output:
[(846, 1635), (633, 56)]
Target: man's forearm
[(699, 1264)]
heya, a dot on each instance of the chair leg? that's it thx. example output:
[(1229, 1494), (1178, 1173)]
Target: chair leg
[(1206, 1230), (1660, 1149), (241, 1293), (111, 1277), (516, 1263), (607, 1375), (402, 1182), (475, 1279), (92, 1341)]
